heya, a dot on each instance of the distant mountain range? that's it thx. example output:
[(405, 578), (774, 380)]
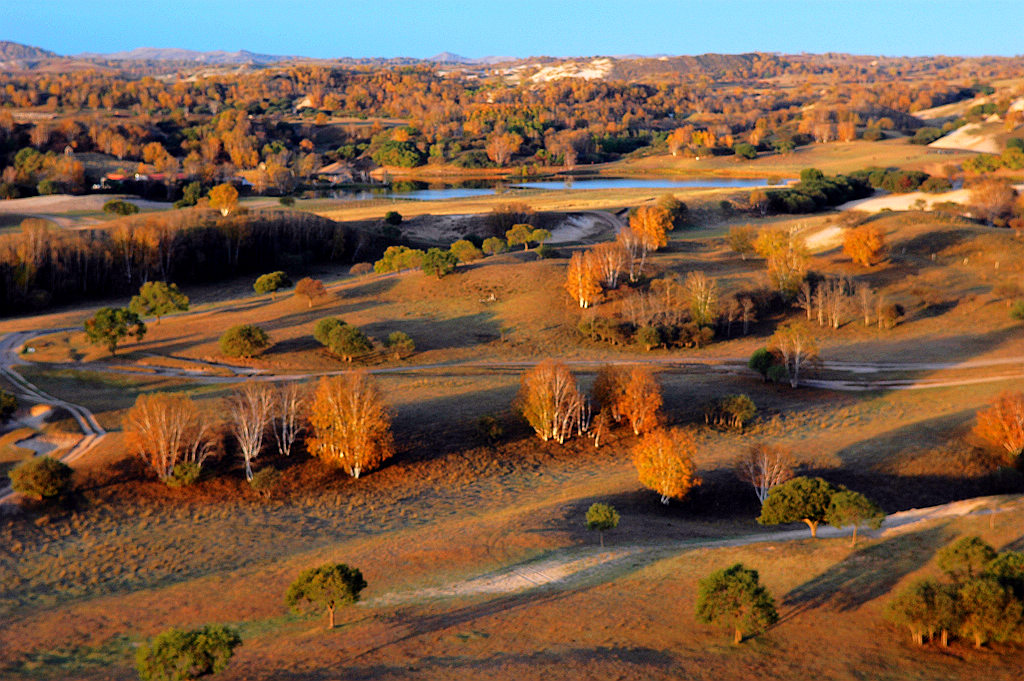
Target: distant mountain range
[(178, 54)]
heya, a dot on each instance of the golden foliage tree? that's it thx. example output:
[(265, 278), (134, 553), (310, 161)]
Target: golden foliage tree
[(864, 244), (1002, 425), (609, 386), (652, 224), (224, 198), (551, 402), (165, 430), (640, 400), (786, 257), (350, 423), (581, 280), (664, 463)]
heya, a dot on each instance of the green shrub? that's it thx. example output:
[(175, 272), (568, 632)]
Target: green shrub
[(245, 340), (265, 481), (546, 251), (287, 201), (119, 207), (184, 655), (41, 478), (1017, 310), (348, 342), (401, 344), (490, 429), (393, 218), (185, 473), (8, 405), (926, 135), (648, 337)]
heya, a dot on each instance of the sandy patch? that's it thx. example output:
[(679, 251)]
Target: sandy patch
[(592, 70), (969, 137), (67, 203), (909, 200), (824, 239)]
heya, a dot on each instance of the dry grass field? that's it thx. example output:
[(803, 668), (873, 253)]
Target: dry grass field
[(476, 555)]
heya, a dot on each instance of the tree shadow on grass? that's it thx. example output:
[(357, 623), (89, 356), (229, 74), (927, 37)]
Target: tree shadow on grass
[(640, 660), (867, 574)]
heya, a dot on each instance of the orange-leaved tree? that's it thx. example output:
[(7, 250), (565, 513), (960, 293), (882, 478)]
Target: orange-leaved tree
[(1002, 425), (608, 389), (224, 198), (640, 399), (864, 244), (165, 430), (350, 423), (551, 402), (664, 462), (310, 289), (581, 280), (651, 224)]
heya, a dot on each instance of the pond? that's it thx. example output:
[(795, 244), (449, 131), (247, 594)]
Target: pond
[(438, 191)]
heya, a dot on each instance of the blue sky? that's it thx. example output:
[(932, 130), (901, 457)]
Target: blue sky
[(392, 28)]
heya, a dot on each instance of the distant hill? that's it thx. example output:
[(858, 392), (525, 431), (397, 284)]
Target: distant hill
[(178, 54), (16, 51)]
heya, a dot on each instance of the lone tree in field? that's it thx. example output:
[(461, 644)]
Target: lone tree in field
[(184, 655), (602, 517), (350, 424), (244, 340), (734, 598), (864, 244), (400, 344), (764, 467), (224, 197), (271, 282), (109, 326), (326, 588), (165, 430), (664, 463), (852, 508), (250, 410), (310, 289), (41, 477), (438, 263), (158, 298), (800, 499), (323, 328), (539, 236), (794, 342), (965, 558), (581, 280), (519, 234), (1002, 425), (551, 402), (925, 607)]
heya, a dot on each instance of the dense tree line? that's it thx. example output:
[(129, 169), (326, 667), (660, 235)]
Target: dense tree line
[(41, 265)]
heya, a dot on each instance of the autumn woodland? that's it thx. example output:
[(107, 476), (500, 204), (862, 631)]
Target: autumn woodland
[(644, 368)]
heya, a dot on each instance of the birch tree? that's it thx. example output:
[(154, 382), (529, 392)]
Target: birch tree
[(551, 402), (165, 430), (289, 403), (795, 344), (351, 426), (764, 467), (250, 411)]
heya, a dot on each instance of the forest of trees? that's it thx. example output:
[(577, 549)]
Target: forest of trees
[(270, 123)]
